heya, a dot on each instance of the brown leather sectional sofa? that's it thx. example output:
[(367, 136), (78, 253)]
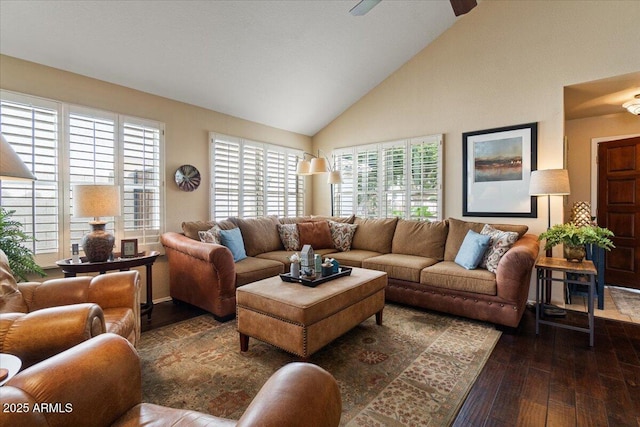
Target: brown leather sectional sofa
[(418, 257)]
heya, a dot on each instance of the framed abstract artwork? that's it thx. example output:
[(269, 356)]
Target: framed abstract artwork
[(496, 171)]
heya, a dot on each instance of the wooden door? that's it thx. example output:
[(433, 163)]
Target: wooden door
[(619, 208)]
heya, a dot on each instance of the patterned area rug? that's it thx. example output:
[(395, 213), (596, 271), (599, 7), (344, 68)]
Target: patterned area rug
[(416, 369), (627, 302)]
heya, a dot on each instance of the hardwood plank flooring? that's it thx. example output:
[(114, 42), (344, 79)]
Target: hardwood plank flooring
[(554, 379)]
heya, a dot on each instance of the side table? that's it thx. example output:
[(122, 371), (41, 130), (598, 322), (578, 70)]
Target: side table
[(70, 269), (549, 265), (9, 366)]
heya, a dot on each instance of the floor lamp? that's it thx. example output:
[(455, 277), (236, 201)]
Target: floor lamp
[(549, 182)]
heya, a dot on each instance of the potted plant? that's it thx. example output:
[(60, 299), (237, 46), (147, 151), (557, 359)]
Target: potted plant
[(575, 238), (12, 243)]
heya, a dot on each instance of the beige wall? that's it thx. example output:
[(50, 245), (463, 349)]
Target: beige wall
[(504, 63), (186, 133)]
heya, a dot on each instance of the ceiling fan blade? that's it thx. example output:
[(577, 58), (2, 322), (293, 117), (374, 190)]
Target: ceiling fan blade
[(363, 7), (460, 7)]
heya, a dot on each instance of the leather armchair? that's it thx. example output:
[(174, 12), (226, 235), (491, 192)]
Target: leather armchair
[(38, 320), (98, 383)]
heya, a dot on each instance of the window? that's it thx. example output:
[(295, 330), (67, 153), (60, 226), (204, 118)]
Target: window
[(66, 145), (252, 179), (397, 178)]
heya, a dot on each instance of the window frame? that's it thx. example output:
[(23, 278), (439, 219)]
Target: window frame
[(352, 161), (65, 222)]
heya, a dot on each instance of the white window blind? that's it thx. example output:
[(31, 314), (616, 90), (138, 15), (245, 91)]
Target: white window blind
[(396, 178), (252, 179), (66, 145)]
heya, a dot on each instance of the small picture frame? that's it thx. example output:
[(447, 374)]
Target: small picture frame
[(129, 248)]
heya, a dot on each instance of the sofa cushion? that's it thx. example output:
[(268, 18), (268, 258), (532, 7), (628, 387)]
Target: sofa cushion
[(260, 234), (316, 233), (374, 235), (342, 235), (420, 238), (253, 269), (501, 242), (233, 240), (449, 275), (289, 236), (344, 219), (191, 228), (354, 257), (472, 250), (283, 256), (401, 267), (458, 230)]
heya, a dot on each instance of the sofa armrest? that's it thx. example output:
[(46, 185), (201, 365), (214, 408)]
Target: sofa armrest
[(40, 334), (202, 274), (97, 380), (298, 393), (513, 276)]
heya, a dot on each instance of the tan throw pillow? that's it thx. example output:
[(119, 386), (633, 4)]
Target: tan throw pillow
[(260, 235), (420, 238), (317, 234), (342, 235), (374, 234), (289, 236)]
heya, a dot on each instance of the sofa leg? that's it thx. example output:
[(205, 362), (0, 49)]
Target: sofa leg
[(379, 318), (244, 342)]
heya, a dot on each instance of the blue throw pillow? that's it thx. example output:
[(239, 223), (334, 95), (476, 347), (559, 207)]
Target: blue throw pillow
[(232, 239), (472, 250)]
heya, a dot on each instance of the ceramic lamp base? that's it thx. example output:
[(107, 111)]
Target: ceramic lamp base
[(98, 244)]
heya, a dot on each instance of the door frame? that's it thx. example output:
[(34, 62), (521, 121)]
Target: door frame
[(594, 167)]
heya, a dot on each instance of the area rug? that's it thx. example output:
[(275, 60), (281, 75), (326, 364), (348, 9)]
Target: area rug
[(626, 301), (415, 369)]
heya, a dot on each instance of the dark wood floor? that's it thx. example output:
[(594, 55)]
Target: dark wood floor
[(554, 379)]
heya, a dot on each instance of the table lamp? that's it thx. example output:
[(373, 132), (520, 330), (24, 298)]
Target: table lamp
[(96, 201), (11, 166)]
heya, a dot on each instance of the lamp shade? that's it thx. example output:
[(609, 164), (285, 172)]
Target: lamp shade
[(334, 177), (319, 165), (11, 165), (96, 200), (554, 182), (302, 168)]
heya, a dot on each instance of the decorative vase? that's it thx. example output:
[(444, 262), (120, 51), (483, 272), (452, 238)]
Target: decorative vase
[(574, 253), (98, 244), (295, 269)]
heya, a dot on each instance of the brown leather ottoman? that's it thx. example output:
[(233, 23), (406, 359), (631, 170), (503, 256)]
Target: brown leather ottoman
[(301, 319)]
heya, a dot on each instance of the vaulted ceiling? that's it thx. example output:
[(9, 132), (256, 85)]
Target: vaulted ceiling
[(294, 65)]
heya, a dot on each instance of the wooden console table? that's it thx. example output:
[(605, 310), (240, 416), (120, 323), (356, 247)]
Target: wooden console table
[(549, 265), (70, 269)]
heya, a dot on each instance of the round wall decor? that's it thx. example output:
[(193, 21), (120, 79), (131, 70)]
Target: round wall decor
[(187, 177)]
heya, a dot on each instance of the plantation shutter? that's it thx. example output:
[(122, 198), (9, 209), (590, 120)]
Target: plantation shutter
[(225, 197), (141, 207), (426, 178), (394, 179), (251, 179), (92, 159), (343, 194), (366, 179), (32, 129)]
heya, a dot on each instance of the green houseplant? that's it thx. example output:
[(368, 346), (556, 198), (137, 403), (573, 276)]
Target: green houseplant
[(574, 239), (12, 243)]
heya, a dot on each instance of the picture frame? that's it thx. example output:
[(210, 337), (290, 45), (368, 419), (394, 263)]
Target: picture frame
[(496, 171), (129, 248)]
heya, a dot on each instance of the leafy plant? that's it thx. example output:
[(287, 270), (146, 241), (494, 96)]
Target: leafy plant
[(12, 240), (571, 235)]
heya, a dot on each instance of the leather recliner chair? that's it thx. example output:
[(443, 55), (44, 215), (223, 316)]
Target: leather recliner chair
[(98, 383), (38, 320)]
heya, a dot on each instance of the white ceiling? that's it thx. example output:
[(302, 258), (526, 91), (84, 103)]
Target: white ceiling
[(294, 65)]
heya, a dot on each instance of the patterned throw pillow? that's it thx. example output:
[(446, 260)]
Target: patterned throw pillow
[(289, 236), (342, 235), (210, 236), (501, 242)]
